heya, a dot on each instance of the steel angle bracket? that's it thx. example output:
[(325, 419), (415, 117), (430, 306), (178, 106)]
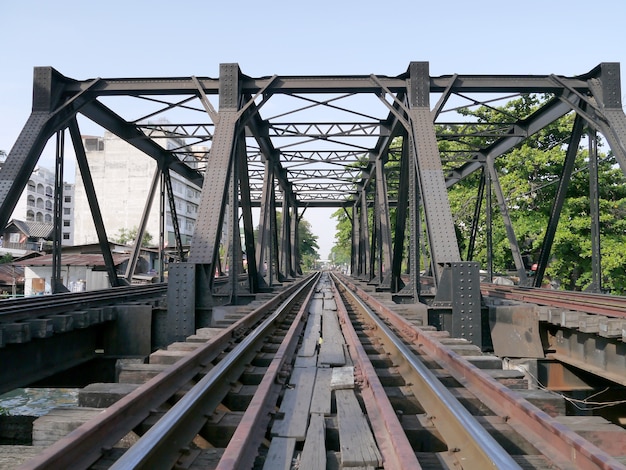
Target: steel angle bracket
[(457, 304)]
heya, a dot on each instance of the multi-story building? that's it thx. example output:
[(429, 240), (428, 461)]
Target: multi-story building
[(122, 176), (36, 204)]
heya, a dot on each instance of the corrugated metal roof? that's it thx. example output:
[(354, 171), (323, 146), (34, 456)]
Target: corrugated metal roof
[(73, 260), (7, 271), (34, 229)]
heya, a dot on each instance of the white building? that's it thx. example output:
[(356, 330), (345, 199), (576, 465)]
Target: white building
[(122, 176), (36, 204)]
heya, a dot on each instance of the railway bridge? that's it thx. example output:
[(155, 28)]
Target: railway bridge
[(386, 150)]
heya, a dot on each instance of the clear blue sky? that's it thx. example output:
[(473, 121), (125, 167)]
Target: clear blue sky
[(84, 39)]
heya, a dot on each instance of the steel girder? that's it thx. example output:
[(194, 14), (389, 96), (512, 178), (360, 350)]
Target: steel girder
[(319, 160)]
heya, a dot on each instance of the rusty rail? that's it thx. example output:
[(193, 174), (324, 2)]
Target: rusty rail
[(242, 448), (390, 437), (86, 444), (472, 445), (554, 440), (602, 304)]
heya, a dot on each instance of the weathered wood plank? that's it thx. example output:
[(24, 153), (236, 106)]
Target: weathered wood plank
[(311, 335), (296, 404), (331, 354), (321, 401), (280, 454), (331, 348), (306, 361), (357, 444), (330, 327), (342, 378), (317, 304), (14, 456), (59, 422), (314, 451), (330, 304)]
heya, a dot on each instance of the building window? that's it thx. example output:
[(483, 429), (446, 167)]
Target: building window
[(14, 238), (30, 216), (40, 189), (39, 203), (94, 144), (48, 219), (48, 205), (67, 199), (67, 210), (39, 217), (49, 192), (66, 223), (30, 201), (66, 236), (31, 186)]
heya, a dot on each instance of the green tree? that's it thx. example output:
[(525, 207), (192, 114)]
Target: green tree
[(127, 237), (307, 242), (529, 176), (340, 253), (308, 246)]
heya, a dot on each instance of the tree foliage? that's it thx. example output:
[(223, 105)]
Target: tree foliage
[(128, 236), (529, 176), (308, 245), (307, 242)]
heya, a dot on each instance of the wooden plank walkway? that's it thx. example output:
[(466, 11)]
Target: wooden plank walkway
[(318, 373), (296, 404), (358, 447)]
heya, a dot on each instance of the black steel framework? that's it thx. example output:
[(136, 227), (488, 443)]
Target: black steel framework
[(302, 142)]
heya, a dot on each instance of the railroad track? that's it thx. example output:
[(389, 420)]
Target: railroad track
[(327, 376), (603, 304)]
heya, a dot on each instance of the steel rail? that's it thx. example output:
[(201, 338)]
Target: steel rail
[(555, 441), (602, 304), (160, 447), (391, 439), (12, 310), (85, 445), (242, 447), (472, 445), (27, 308)]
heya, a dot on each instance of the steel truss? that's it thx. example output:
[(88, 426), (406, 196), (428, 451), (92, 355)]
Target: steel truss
[(366, 144)]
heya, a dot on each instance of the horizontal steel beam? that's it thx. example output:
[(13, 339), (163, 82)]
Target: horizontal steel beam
[(328, 84)]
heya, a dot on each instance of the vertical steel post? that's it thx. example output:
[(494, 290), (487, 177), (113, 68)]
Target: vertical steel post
[(364, 238), (439, 224), (354, 251), (401, 216), (274, 262), (246, 212), (294, 239), (594, 206), (162, 225), (489, 217), (382, 205), (285, 237), (412, 289), (234, 247), (264, 260), (56, 283)]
